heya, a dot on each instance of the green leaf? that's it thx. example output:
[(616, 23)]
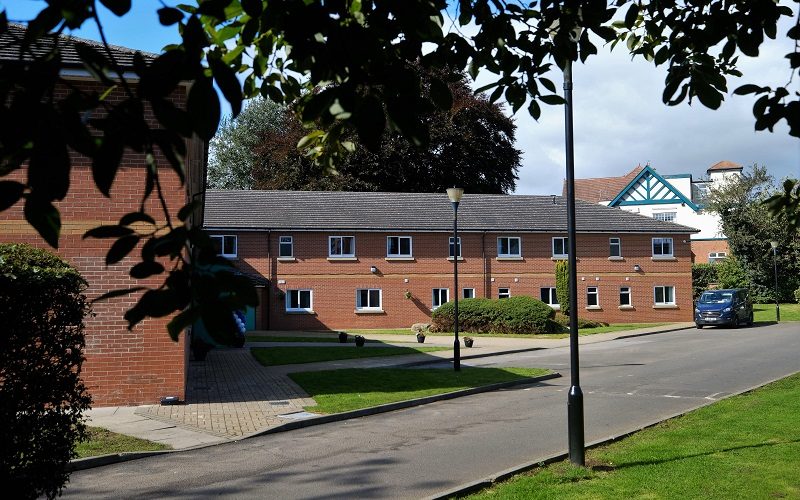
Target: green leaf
[(750, 89), (108, 231), (44, 217), (106, 163), (146, 269), (632, 15), (552, 99), (168, 16), (440, 94), (121, 248), (10, 193), (118, 7), (253, 8), (181, 321), (228, 84), (203, 107), (370, 121), (534, 109), (187, 210)]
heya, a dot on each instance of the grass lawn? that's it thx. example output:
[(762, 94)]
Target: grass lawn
[(290, 338), (743, 447), (336, 391), (766, 312), (584, 331), (272, 356), (103, 442)]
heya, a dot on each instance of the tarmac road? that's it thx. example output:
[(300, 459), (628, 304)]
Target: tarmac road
[(414, 453)]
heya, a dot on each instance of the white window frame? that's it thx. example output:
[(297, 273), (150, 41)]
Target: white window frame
[(370, 306), (665, 216), (341, 247), (615, 242), (281, 242), (299, 308), (661, 241), (564, 246), (436, 294), (552, 298), (222, 238), (399, 251), (508, 244), (450, 248), (626, 290), (471, 293), (592, 291), (664, 289), (504, 295), (717, 256)]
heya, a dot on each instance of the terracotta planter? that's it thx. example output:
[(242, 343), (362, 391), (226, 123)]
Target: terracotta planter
[(468, 342)]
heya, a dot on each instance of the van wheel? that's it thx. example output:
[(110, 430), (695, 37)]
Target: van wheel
[(750, 320), (735, 323), (699, 327)]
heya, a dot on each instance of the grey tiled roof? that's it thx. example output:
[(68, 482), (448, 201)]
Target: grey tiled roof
[(10, 43), (350, 211)]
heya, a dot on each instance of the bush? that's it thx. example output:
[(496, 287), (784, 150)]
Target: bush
[(41, 351), (512, 315), (562, 285), (731, 274), (702, 276), (797, 295), (582, 322)]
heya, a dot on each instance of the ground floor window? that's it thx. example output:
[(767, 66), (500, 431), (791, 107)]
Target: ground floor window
[(664, 295), (592, 297), (440, 296), (298, 300), (503, 293), (469, 293), (368, 299), (624, 295), (548, 295)]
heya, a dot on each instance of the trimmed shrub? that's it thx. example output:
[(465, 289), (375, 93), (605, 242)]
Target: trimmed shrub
[(797, 295), (562, 285), (702, 276), (513, 315), (42, 307)]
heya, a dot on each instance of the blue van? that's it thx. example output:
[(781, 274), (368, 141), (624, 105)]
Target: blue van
[(724, 307)]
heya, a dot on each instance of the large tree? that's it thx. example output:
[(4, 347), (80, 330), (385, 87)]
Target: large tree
[(471, 146), (750, 227), (357, 51)]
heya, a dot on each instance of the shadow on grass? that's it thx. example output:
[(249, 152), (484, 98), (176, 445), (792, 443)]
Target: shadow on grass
[(703, 454)]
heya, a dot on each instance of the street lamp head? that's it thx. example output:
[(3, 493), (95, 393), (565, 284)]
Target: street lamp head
[(773, 244), (455, 194)]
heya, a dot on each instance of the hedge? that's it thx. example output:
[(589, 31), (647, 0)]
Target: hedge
[(42, 397), (512, 315)]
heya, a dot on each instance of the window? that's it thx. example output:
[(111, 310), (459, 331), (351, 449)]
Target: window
[(509, 246), (549, 296), (469, 293), (398, 246), (560, 247), (341, 246), (592, 297), (664, 295), (614, 247), (285, 246), (665, 216), (662, 247), (226, 245), (458, 247), (503, 293), (625, 296), (717, 256), (298, 300), (440, 296), (368, 299)]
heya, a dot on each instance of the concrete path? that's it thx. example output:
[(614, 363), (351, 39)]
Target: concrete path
[(231, 396)]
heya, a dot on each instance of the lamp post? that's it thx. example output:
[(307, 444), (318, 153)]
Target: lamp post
[(455, 194), (774, 245)]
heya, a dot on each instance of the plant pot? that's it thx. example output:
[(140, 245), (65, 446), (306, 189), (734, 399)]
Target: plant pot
[(360, 341), (342, 337), (468, 342), (420, 338)]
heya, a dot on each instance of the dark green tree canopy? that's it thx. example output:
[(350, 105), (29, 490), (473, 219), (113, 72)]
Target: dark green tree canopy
[(358, 53)]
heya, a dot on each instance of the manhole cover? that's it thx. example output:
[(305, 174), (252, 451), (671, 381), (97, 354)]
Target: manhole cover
[(299, 415), (279, 403)]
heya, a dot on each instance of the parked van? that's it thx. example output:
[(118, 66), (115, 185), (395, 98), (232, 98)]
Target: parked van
[(724, 307)]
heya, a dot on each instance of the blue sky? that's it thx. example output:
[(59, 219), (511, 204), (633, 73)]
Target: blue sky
[(619, 120)]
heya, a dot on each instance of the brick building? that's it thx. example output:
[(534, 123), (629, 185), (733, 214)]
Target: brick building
[(382, 260), (122, 367)]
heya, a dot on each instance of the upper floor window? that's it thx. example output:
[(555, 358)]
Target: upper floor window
[(341, 246), (440, 296), (662, 247), (368, 299), (664, 295), (548, 295), (560, 247), (225, 245), (299, 300), (398, 246), (665, 216), (614, 247), (458, 247), (509, 246), (503, 293), (285, 246)]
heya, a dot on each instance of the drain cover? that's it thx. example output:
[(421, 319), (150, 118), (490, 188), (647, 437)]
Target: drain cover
[(279, 403), (299, 415)]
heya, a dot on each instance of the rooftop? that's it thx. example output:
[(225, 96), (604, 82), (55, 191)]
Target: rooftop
[(369, 211), (724, 165), (600, 189)]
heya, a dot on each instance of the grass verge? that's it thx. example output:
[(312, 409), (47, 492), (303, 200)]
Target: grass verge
[(583, 331), (766, 312), (743, 447), (337, 391), (289, 338), (104, 442), (273, 356)]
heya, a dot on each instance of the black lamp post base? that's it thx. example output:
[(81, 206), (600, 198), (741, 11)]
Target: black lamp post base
[(575, 424), (456, 356)]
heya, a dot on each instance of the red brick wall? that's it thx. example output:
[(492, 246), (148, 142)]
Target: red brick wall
[(334, 283), (701, 249), (122, 367)]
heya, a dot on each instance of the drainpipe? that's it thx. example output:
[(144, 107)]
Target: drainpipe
[(483, 255), (268, 300)]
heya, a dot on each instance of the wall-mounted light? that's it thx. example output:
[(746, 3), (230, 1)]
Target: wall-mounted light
[(637, 268), (373, 270)]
